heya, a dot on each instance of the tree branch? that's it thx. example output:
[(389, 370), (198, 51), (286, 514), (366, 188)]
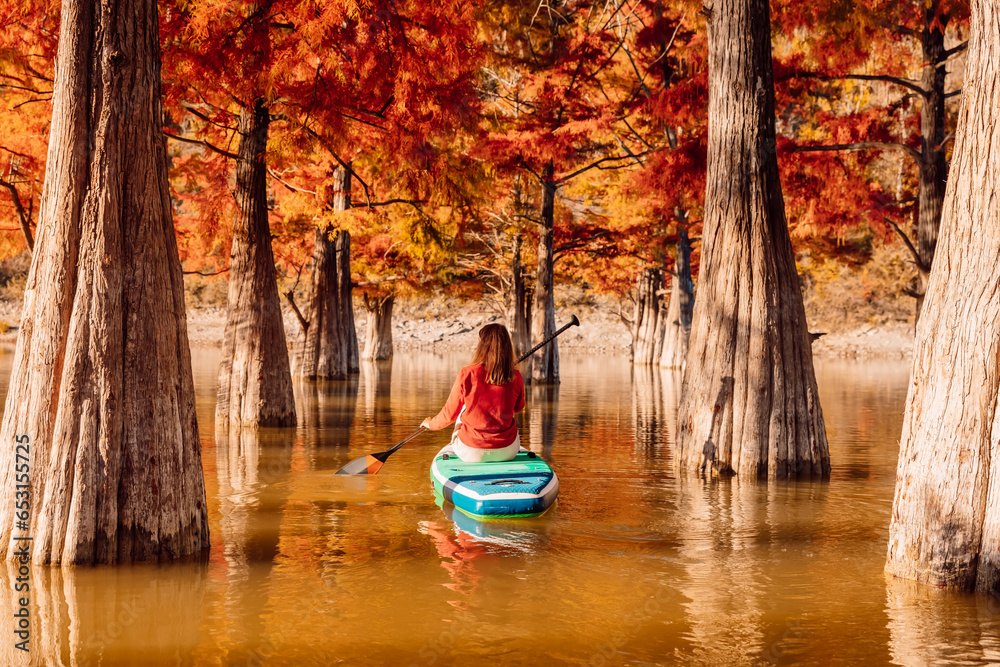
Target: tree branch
[(22, 217), (293, 188), (923, 268), (197, 142), (312, 133), (207, 275), (906, 83), (598, 163), (290, 297), (956, 49), (190, 109), (26, 89), (878, 145)]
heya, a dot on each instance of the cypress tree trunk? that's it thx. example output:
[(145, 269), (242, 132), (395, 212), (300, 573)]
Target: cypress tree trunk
[(255, 379), (945, 527), (677, 321), (101, 386), (324, 350), (934, 168), (647, 320), (378, 337), (519, 308), (348, 332), (749, 403), (545, 362), (320, 352)]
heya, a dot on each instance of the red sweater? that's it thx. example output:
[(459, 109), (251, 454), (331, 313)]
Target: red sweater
[(488, 420)]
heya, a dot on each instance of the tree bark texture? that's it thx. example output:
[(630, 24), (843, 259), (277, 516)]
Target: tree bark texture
[(348, 331), (945, 526), (545, 362), (749, 403), (934, 166), (101, 383), (647, 318), (519, 307), (677, 322), (324, 350), (378, 336), (255, 378)]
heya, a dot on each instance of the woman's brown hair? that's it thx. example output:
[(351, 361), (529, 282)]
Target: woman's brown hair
[(496, 353)]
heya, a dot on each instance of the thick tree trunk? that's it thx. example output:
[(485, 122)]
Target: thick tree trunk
[(677, 322), (348, 332), (378, 336), (320, 353), (324, 350), (101, 391), (519, 307), (647, 318), (255, 379), (749, 403), (934, 169), (545, 362), (945, 527)]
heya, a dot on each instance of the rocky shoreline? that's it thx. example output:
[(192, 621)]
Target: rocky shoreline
[(419, 327)]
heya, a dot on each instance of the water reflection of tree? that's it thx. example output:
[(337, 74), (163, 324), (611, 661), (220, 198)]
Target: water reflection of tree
[(726, 582), (326, 416), (863, 408), (378, 376), (929, 626), (543, 408), (253, 466), (655, 397), (113, 616)]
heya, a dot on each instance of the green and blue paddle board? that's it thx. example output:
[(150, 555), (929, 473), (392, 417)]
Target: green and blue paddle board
[(523, 487)]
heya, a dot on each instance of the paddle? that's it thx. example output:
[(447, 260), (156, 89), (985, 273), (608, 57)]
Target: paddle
[(370, 464)]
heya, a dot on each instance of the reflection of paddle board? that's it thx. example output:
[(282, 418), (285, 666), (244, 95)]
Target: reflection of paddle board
[(523, 487), (500, 530)]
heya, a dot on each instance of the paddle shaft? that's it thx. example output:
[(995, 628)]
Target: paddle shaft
[(405, 440), (574, 323)]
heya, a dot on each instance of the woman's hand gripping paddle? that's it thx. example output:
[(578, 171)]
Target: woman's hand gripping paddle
[(370, 464)]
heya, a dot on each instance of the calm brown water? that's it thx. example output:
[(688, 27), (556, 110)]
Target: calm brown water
[(632, 566)]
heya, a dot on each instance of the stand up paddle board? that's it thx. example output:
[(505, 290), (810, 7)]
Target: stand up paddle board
[(523, 487)]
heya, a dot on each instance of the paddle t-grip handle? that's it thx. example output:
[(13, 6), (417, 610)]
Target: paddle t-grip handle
[(572, 323)]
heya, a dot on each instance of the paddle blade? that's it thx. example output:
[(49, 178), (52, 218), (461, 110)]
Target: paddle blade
[(363, 465)]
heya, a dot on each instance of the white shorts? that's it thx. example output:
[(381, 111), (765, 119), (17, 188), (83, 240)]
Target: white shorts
[(477, 455)]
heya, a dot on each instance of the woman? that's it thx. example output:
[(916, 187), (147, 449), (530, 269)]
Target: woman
[(487, 395)]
